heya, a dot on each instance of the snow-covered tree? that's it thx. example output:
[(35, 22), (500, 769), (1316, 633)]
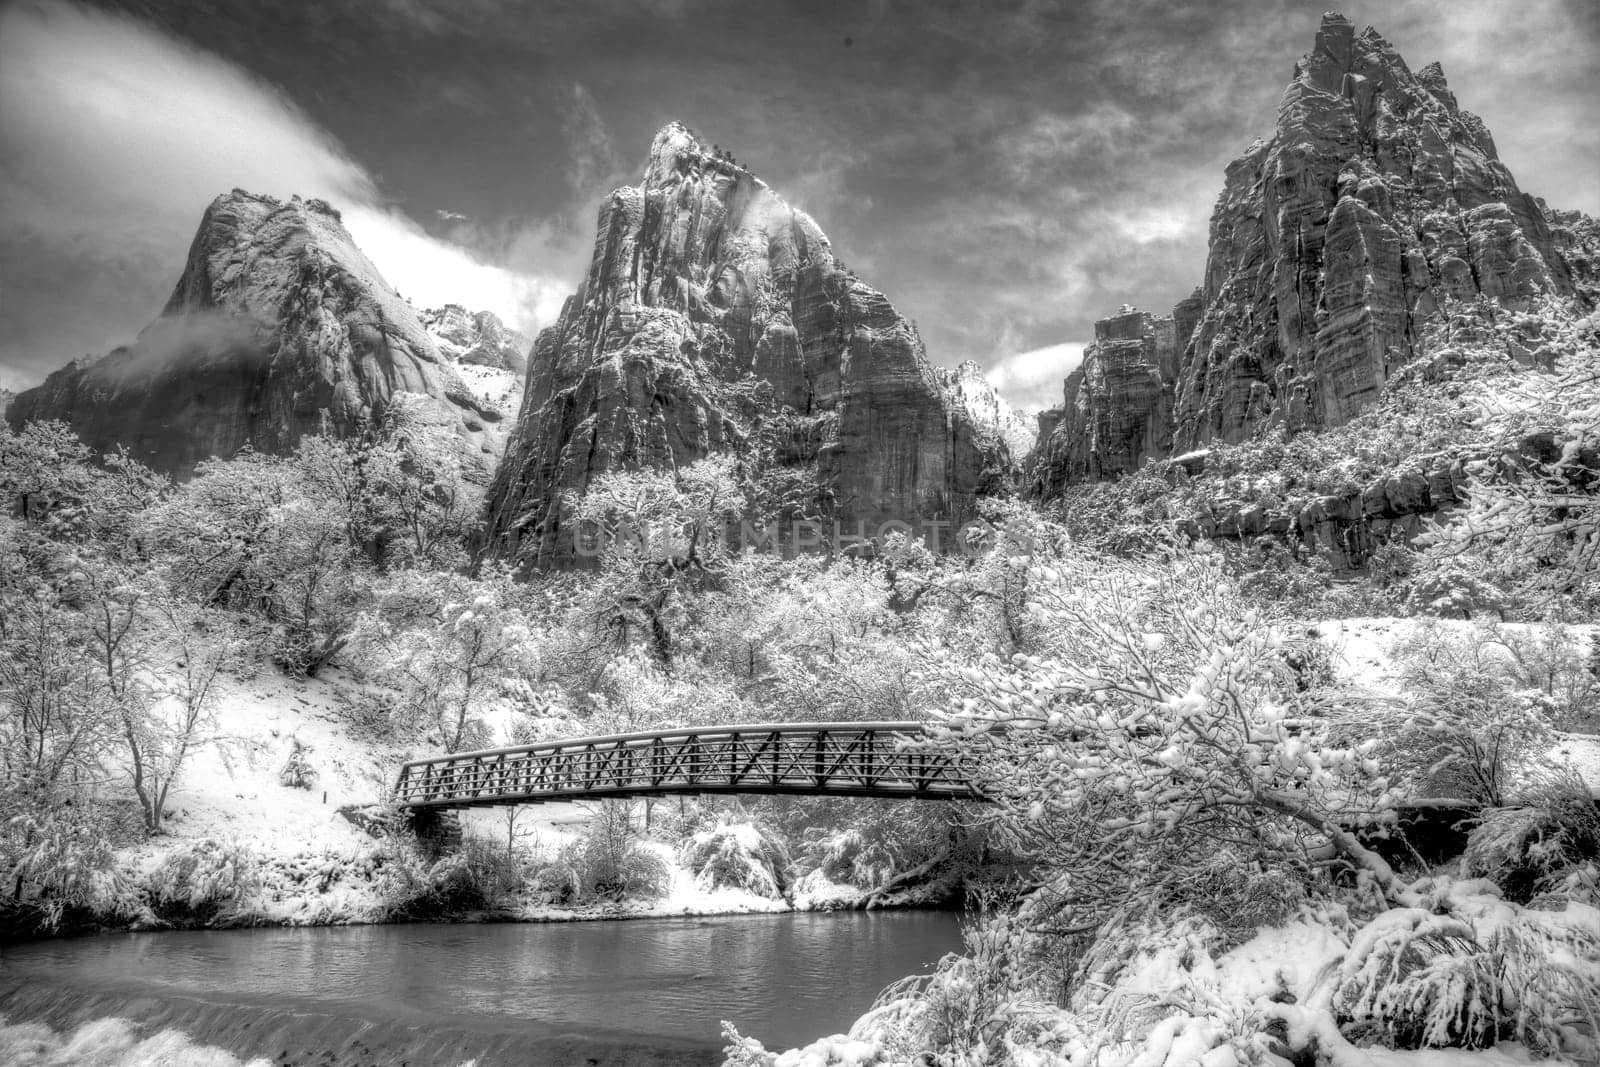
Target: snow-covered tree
[(657, 534), (1157, 728), (50, 479), (451, 643), (192, 649), (401, 488), (255, 533), (1468, 716)]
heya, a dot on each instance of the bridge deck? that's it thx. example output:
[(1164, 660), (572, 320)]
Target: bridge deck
[(859, 759)]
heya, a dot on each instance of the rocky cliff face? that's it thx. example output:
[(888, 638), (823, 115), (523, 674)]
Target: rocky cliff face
[(714, 319), (1376, 200), (489, 356), (1118, 405), (989, 412), (278, 328)]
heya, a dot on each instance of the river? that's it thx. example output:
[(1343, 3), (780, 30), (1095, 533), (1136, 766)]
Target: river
[(590, 993)]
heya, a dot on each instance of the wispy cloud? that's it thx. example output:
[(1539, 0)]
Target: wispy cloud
[(1031, 381), (554, 249), (114, 137), (592, 158)]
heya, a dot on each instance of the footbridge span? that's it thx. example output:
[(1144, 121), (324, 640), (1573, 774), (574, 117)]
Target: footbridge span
[(895, 760)]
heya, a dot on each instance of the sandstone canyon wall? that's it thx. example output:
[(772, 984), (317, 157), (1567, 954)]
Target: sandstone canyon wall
[(1376, 200), (278, 328), (714, 319)]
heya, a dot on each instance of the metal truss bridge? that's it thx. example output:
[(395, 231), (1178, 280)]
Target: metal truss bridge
[(849, 759)]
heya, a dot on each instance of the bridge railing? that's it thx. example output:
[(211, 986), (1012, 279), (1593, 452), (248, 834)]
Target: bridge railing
[(878, 759)]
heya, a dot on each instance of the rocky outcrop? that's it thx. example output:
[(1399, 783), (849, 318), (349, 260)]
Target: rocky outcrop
[(1577, 236), (1117, 410), (278, 328), (990, 414), (714, 319), (1376, 201), (477, 338), (490, 357), (1347, 529)]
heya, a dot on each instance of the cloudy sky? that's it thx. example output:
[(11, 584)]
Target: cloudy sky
[(1006, 172)]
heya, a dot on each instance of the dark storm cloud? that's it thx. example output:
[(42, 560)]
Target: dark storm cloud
[(1007, 173)]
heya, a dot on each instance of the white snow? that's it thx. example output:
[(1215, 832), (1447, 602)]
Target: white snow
[(110, 1042)]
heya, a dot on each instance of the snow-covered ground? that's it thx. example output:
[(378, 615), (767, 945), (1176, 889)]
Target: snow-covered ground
[(496, 386), (230, 791)]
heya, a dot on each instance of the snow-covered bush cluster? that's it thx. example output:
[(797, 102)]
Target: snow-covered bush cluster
[(1158, 726), (1457, 968), (739, 857), (203, 881), (611, 861)]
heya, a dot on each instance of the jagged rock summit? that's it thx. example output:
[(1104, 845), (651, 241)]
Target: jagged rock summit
[(714, 318), (1376, 201), (278, 328)]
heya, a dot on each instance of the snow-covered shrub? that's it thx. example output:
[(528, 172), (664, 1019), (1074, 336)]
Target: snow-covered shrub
[(1239, 894), (1471, 720), (297, 772), (836, 1050), (555, 883), (1413, 979), (1533, 848), (1464, 969), (1145, 992), (872, 853), (58, 860), (1280, 577), (411, 887), (497, 871), (207, 881), (964, 1005), (1455, 590), (610, 859), (1549, 970), (982, 1000), (852, 857), (737, 856)]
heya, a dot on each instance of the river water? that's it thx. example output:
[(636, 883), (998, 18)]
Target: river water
[(590, 993)]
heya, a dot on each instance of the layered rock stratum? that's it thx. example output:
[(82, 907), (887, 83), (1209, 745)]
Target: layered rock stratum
[(278, 328), (715, 319), (1376, 202)]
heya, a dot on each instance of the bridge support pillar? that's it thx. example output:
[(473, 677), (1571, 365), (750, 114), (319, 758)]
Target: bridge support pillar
[(437, 831)]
